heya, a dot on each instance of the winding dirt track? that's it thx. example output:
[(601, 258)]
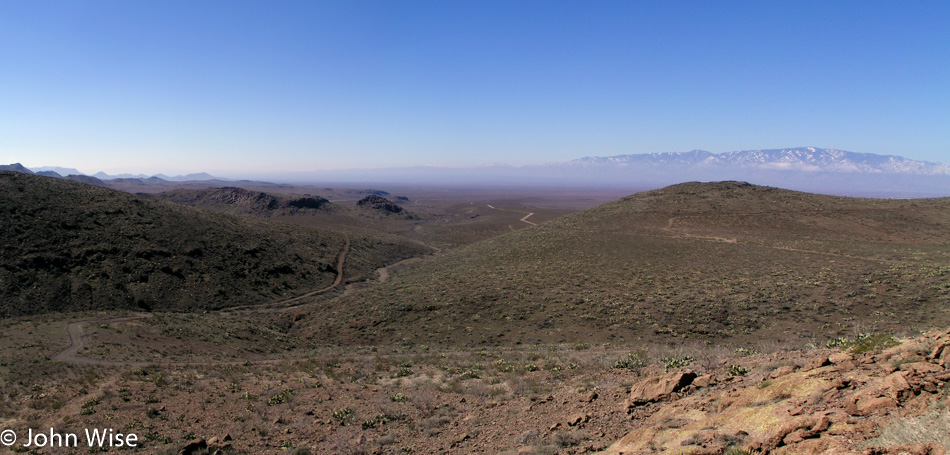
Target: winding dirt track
[(523, 219), (685, 235), (681, 234), (78, 338)]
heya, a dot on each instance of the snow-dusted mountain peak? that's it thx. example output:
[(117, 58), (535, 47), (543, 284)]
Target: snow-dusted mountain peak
[(802, 159)]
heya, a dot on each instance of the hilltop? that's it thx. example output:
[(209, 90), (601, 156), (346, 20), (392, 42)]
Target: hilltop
[(70, 246), (725, 263), (242, 201)]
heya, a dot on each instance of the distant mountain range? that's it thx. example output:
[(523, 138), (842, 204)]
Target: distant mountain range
[(810, 169), (177, 178), (801, 159), (56, 171), (63, 171)]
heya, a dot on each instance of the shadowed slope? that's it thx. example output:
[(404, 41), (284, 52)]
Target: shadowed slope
[(68, 246)]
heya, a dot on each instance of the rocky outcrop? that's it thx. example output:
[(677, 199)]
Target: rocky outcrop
[(308, 202), (658, 388), (825, 402), (379, 203), (239, 200)]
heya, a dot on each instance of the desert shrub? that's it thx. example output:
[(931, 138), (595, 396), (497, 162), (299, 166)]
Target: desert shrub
[(399, 397), (836, 342), (382, 419), (737, 370), (672, 363), (280, 398), (866, 342), (634, 361), (343, 415), (89, 407), (470, 373), (504, 366), (745, 352), (565, 439), (46, 403)]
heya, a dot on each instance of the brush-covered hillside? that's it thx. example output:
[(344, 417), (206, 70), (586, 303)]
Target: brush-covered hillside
[(245, 202), (69, 246), (724, 262)]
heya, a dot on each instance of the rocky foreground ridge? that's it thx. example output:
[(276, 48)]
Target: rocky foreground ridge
[(874, 395), (850, 401)]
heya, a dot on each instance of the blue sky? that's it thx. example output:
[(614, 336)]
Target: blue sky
[(235, 86)]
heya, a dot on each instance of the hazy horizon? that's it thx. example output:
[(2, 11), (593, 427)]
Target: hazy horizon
[(347, 174)]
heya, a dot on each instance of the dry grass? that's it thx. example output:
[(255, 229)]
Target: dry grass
[(931, 427)]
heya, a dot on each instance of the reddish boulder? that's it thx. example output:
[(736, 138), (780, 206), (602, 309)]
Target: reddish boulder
[(659, 387)]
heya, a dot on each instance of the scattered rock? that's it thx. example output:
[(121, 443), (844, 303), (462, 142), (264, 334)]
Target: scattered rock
[(941, 354), (897, 386), (194, 447), (529, 436), (867, 405), (920, 367), (702, 381), (840, 357), (462, 439), (778, 437), (782, 371), (907, 449), (658, 388), (589, 397), (578, 419), (817, 363)]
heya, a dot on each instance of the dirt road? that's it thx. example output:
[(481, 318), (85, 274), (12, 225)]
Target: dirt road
[(523, 219), (78, 338)]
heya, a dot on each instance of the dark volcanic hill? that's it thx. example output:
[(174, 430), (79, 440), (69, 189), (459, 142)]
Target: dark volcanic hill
[(71, 246), (379, 203), (241, 201), (86, 179), (15, 167), (721, 262)]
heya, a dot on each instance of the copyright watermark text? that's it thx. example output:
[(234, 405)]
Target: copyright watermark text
[(95, 437)]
